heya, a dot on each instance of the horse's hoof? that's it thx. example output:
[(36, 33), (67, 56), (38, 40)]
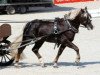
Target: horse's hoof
[(55, 65), (17, 65), (77, 63), (43, 65)]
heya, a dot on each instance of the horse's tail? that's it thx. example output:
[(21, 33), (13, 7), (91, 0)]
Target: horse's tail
[(14, 47), (30, 26), (27, 27)]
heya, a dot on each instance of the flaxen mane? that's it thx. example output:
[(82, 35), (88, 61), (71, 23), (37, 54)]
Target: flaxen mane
[(72, 14)]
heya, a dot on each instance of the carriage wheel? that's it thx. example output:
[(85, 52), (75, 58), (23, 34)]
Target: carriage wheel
[(10, 10), (22, 9), (5, 55), (6, 60)]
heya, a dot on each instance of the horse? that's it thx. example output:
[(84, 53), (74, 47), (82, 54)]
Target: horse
[(60, 31)]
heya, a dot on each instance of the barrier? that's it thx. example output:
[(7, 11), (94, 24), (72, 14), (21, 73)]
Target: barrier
[(69, 1)]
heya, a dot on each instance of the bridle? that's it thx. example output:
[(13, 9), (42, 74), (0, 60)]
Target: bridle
[(87, 17)]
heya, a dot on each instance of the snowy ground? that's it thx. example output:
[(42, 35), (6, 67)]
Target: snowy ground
[(87, 41)]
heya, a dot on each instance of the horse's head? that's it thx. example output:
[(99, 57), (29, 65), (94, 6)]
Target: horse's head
[(85, 18)]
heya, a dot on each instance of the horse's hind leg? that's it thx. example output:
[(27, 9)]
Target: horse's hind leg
[(35, 49), (20, 50)]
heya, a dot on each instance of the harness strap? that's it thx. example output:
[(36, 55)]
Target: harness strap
[(56, 31), (70, 26)]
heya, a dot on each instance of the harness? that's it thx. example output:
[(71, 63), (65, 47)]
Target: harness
[(70, 27), (57, 31)]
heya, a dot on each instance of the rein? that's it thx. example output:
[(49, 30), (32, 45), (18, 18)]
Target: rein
[(31, 41), (70, 26)]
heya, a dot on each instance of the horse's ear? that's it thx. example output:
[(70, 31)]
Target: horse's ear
[(82, 10), (86, 8), (69, 13)]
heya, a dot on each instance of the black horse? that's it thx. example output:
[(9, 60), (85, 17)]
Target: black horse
[(60, 31)]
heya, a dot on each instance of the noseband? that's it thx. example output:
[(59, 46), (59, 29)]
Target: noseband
[(88, 16)]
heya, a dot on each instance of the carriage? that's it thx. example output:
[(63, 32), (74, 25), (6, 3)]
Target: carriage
[(7, 49), (5, 57)]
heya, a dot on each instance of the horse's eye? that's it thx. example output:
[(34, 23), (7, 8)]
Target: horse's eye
[(90, 20)]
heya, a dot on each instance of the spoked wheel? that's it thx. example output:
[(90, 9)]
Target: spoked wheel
[(6, 60), (10, 10), (5, 55), (22, 9)]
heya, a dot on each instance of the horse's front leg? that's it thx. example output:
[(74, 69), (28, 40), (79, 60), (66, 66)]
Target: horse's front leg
[(35, 49), (62, 47), (73, 46)]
